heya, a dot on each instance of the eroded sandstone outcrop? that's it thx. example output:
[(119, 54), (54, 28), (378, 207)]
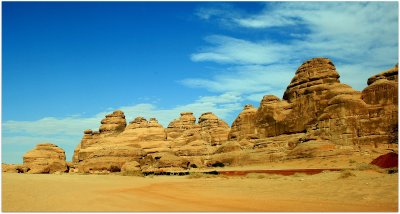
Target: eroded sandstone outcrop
[(316, 103), (244, 125), (363, 119), (317, 117), (14, 168), (315, 82), (213, 129), (187, 121), (184, 141), (45, 158), (113, 124)]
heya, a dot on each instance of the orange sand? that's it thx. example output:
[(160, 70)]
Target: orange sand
[(366, 191)]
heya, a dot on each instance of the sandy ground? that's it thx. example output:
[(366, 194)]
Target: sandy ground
[(366, 191)]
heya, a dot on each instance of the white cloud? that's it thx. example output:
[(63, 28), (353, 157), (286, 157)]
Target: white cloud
[(52, 126), (228, 97), (360, 37), (248, 79), (237, 51)]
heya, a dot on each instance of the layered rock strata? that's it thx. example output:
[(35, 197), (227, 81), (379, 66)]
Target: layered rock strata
[(148, 143), (45, 158), (317, 117), (316, 103)]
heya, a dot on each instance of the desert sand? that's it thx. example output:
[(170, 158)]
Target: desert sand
[(364, 191)]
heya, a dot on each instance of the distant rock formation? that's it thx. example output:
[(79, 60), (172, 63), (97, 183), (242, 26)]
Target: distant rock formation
[(317, 117), (45, 158)]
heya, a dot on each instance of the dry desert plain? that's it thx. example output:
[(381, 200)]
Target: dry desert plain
[(350, 190)]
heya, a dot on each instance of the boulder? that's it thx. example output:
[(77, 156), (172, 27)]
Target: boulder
[(389, 160)]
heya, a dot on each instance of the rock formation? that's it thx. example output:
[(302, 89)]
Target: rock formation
[(317, 117), (186, 122), (214, 130), (14, 168), (362, 119), (244, 127), (316, 103), (45, 158), (314, 84), (148, 143), (113, 124)]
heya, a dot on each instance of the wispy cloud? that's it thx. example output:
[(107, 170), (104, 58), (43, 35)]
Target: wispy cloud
[(361, 38), (247, 79), (231, 50)]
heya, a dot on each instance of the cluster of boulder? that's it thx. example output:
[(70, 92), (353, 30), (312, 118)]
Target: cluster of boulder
[(317, 116)]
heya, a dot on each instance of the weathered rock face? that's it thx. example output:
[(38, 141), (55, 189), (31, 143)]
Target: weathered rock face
[(45, 158), (314, 72), (316, 103), (363, 119), (314, 84), (244, 125), (176, 128), (195, 143), (391, 75), (142, 130), (113, 124), (318, 116), (213, 129), (149, 143), (107, 156), (272, 117)]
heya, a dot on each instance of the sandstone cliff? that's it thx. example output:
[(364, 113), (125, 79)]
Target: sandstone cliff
[(317, 117), (316, 103), (148, 143)]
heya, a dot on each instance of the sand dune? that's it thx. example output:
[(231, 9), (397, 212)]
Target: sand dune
[(367, 191)]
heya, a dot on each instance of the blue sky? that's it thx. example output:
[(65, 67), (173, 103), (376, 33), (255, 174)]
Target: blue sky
[(67, 64)]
